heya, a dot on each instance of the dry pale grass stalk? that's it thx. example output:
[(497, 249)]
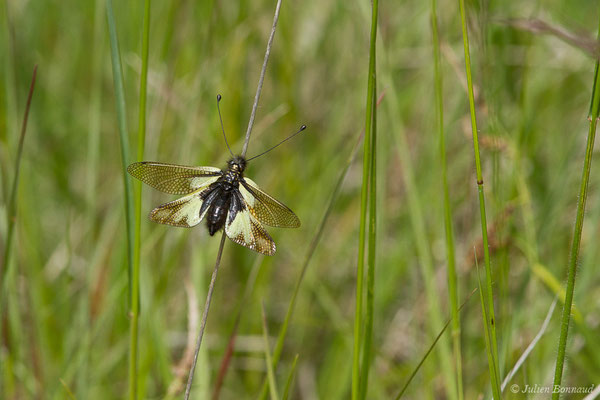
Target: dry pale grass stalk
[(244, 149)]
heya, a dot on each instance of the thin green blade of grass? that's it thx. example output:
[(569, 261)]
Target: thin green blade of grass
[(135, 275), (576, 242), (14, 322), (270, 372), (486, 331), (371, 243), (123, 136), (290, 379), (417, 222), (124, 143), (8, 275), (67, 389), (430, 349), (492, 350), (357, 377), (360, 274), (12, 200), (450, 250)]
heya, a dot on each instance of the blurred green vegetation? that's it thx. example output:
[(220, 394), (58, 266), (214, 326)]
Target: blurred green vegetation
[(64, 324)]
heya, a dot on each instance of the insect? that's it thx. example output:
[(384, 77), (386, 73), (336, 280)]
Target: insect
[(224, 198)]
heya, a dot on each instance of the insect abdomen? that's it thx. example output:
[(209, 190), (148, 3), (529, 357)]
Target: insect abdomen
[(217, 213)]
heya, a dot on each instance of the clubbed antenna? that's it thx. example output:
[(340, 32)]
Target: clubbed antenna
[(303, 127)]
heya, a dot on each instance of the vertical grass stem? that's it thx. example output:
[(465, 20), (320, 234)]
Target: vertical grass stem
[(244, 149), (261, 79), (450, 257), (211, 287), (309, 254), (135, 276), (364, 198), (371, 246), (123, 135), (490, 320), (575, 245)]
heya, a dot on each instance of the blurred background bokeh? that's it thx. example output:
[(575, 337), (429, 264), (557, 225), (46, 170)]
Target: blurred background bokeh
[(65, 325)]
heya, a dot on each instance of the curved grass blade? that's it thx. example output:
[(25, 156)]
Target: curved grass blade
[(67, 389), (437, 338), (270, 372), (290, 380), (5, 270), (12, 201), (531, 346)]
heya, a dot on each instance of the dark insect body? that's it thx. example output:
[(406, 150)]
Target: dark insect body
[(224, 197)]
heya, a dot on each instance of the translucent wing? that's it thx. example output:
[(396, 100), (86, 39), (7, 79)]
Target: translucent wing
[(244, 229), (174, 179), (184, 212), (265, 208)]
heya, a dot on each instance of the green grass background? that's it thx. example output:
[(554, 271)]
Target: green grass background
[(64, 319)]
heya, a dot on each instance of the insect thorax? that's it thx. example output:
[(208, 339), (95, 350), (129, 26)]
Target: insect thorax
[(234, 171), (231, 178)]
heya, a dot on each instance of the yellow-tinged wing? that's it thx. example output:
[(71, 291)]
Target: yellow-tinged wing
[(265, 208), (174, 179), (183, 212), (244, 229)]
